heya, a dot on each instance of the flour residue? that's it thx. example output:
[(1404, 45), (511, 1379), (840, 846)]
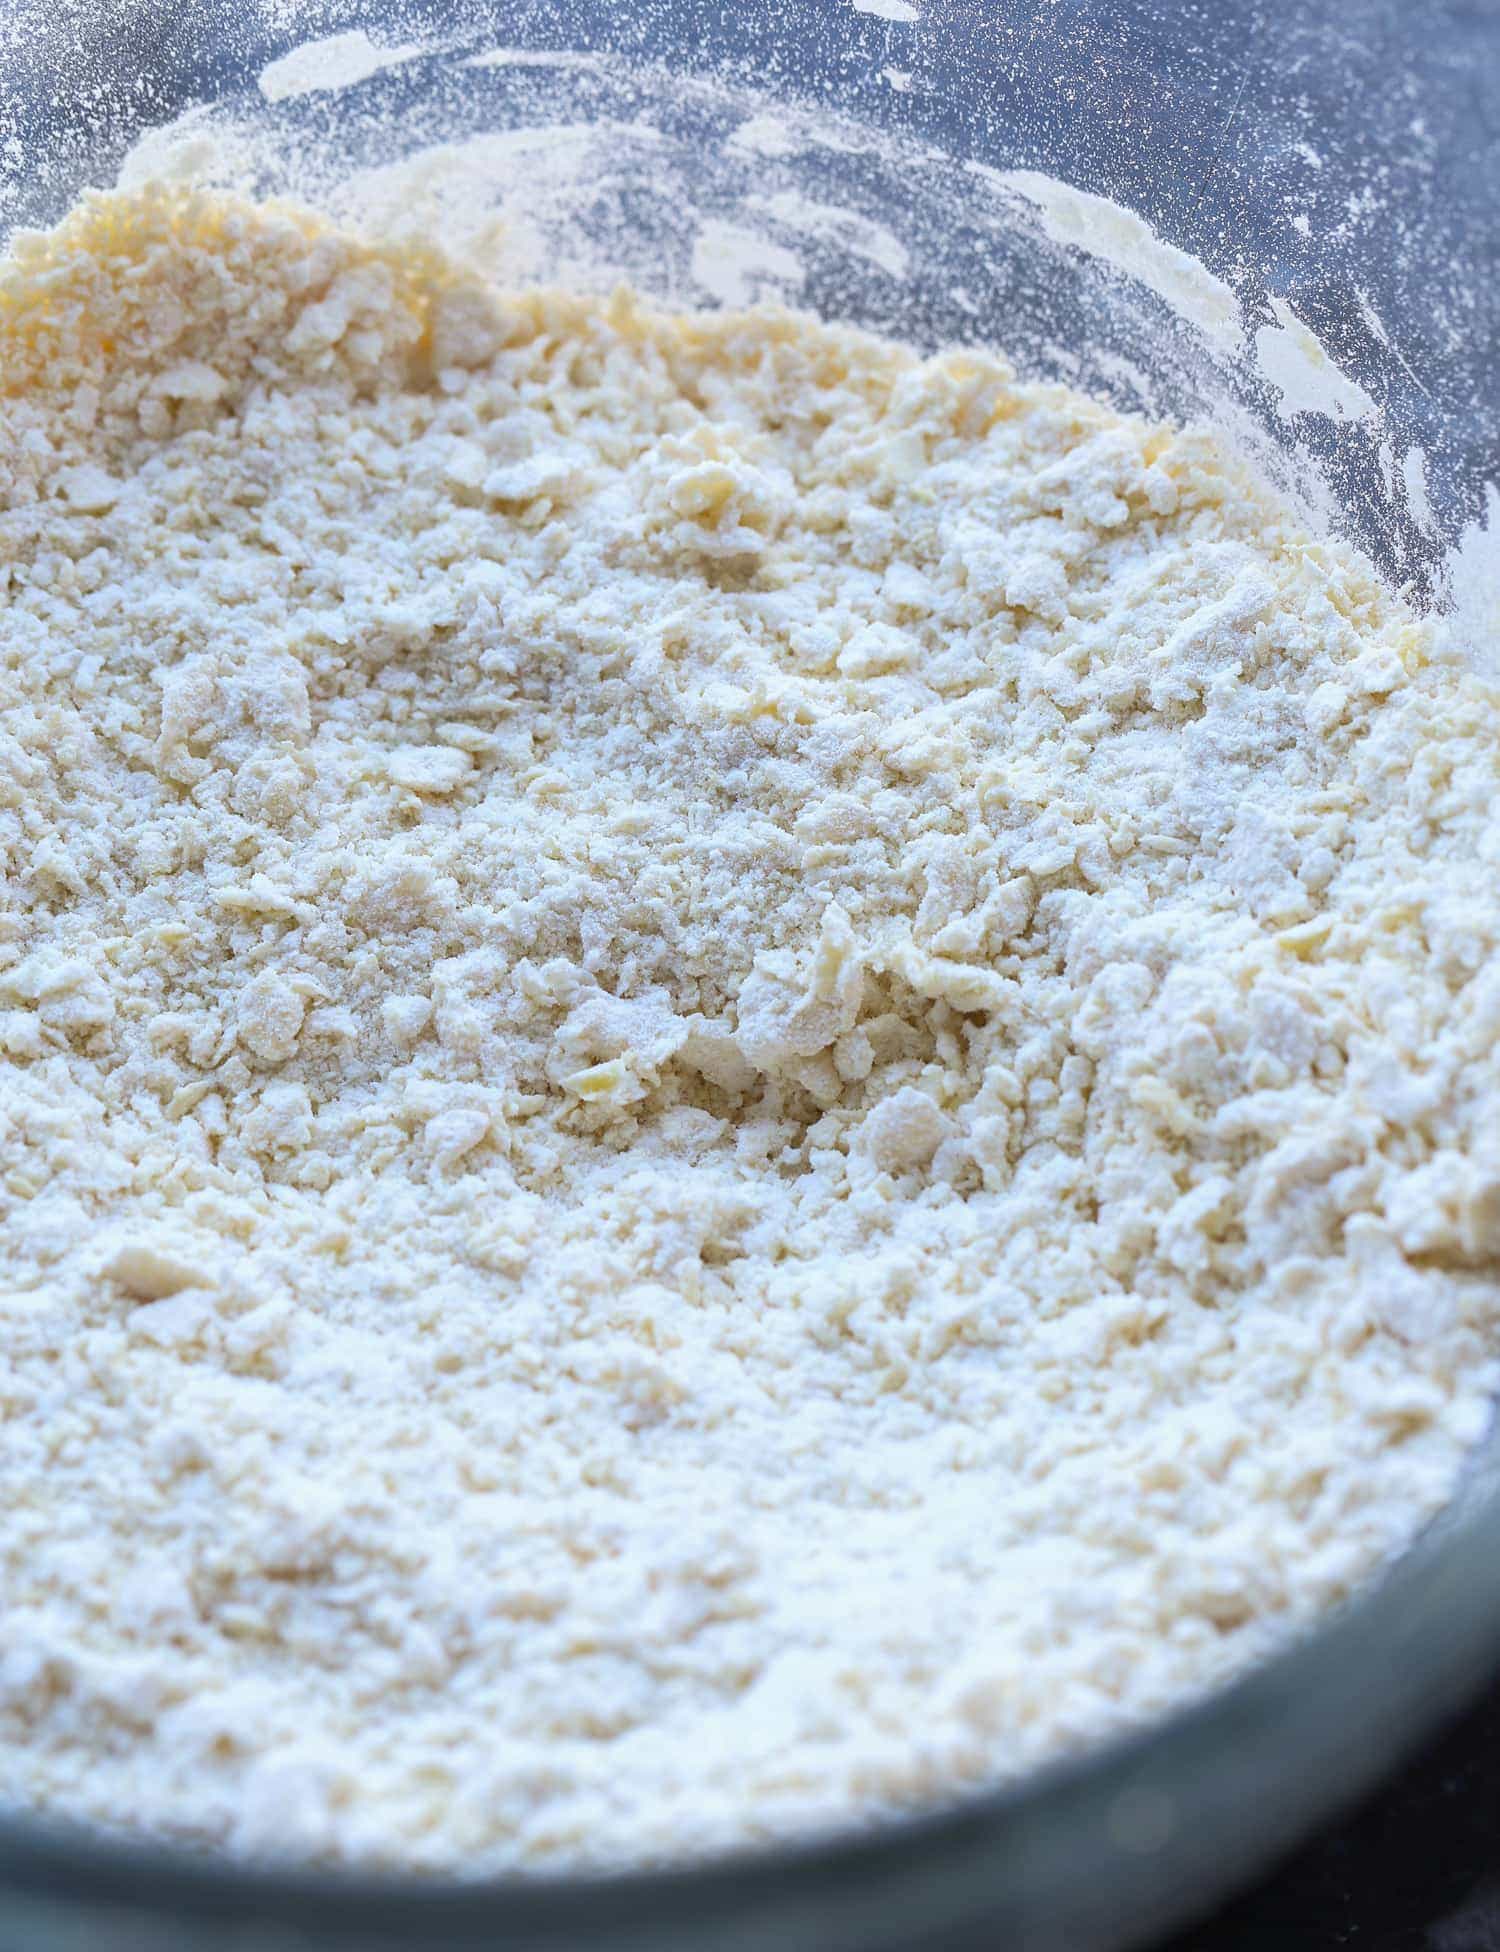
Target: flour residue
[(1472, 627), (901, 11), (336, 61), (1299, 366), (512, 203), (792, 131), (1414, 483), (1124, 240), (763, 135), (832, 224), (1291, 358), (527, 57), (195, 148), (735, 266)]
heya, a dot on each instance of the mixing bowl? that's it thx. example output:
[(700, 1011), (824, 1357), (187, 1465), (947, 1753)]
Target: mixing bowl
[(1284, 217)]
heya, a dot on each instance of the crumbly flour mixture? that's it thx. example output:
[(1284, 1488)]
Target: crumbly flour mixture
[(743, 1078)]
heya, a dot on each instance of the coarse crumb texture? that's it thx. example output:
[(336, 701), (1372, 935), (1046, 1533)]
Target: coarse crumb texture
[(743, 1077)]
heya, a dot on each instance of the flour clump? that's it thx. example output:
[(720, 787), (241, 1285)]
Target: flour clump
[(743, 1078)]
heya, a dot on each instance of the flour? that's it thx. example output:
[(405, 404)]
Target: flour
[(337, 61), (1305, 378), (744, 1079), (1122, 239)]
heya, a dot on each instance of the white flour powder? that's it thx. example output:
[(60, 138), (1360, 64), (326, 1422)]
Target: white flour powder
[(742, 1078)]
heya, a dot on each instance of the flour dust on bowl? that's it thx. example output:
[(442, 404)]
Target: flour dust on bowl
[(748, 993)]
